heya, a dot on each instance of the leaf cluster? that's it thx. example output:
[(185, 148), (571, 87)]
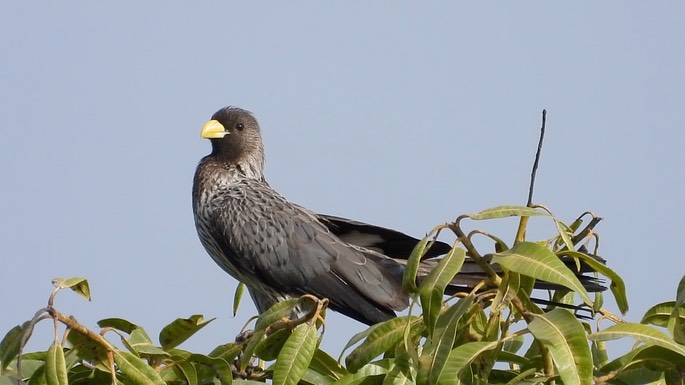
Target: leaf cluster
[(492, 332)]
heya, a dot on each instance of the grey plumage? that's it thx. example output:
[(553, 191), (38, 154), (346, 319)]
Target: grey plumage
[(279, 249)]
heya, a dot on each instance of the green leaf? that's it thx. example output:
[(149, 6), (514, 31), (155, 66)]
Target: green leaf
[(650, 356), (237, 296), (432, 289), (661, 313), (55, 366), (227, 351), (118, 324), (219, 365), (323, 363), (141, 344), (369, 374), (617, 287), (534, 260), (248, 351), (280, 310), (412, 268), (297, 352), (511, 283), (382, 338), (563, 231), (78, 285), (136, 370), (268, 348), (642, 333), (680, 294), (564, 336), (11, 344), (402, 372), (181, 329), (187, 372), (443, 339), (460, 357), (507, 211), (38, 376)]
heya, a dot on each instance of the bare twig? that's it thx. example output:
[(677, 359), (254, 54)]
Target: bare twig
[(537, 159)]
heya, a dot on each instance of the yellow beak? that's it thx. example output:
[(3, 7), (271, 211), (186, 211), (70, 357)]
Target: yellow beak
[(213, 130)]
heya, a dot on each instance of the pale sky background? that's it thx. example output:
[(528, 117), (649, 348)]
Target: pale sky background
[(397, 114)]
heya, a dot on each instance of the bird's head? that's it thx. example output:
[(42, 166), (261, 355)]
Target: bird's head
[(236, 138)]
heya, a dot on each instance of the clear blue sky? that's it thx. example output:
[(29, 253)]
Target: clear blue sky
[(397, 114)]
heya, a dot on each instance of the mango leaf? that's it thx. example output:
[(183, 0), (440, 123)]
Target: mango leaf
[(507, 211), (226, 352), (534, 260), (38, 376), (297, 352), (219, 366), (460, 357), (55, 366), (680, 294), (661, 313), (141, 344), (268, 348), (642, 333), (564, 336), (181, 329), (651, 356), (432, 289), (442, 341), (381, 339), (323, 363), (136, 370), (78, 285), (402, 371), (11, 344), (617, 286), (368, 374), (237, 296), (118, 324), (187, 372), (280, 310), (412, 268)]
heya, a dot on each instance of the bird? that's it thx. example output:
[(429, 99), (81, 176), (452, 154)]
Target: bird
[(281, 250)]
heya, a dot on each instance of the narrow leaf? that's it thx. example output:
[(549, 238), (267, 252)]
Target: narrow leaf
[(412, 268), (237, 296), (118, 324), (136, 370), (661, 313), (383, 337), (642, 333), (323, 363), (432, 289), (295, 356), (189, 374), (219, 365), (55, 366), (564, 336), (368, 374), (181, 329), (11, 344), (78, 285), (280, 310), (445, 335), (536, 261), (617, 287), (460, 357), (507, 211)]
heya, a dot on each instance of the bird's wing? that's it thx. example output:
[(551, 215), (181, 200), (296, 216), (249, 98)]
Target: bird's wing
[(386, 241), (289, 250)]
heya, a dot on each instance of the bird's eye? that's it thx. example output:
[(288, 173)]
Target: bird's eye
[(239, 126)]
